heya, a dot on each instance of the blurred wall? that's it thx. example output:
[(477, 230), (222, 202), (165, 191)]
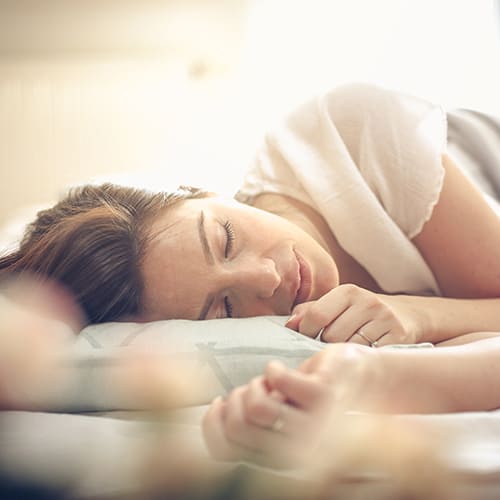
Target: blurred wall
[(97, 88), (179, 91)]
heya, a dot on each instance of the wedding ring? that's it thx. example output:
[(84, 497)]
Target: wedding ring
[(279, 422), (373, 343)]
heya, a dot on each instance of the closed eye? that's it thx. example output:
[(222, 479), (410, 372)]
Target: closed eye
[(228, 307), (228, 227)]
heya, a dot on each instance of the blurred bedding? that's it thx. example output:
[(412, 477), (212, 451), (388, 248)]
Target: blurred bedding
[(102, 453), (213, 357), (98, 454)]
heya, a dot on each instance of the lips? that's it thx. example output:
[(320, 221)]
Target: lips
[(304, 281)]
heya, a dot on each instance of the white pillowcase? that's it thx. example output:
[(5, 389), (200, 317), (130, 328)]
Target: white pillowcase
[(221, 354)]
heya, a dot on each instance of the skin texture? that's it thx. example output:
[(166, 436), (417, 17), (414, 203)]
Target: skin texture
[(257, 273), (240, 426), (39, 322), (461, 244), (255, 270), (464, 255), (312, 399)]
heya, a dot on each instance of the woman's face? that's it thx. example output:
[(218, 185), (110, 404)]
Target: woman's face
[(216, 258)]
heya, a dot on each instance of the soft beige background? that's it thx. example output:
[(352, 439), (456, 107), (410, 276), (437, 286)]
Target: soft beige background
[(179, 91)]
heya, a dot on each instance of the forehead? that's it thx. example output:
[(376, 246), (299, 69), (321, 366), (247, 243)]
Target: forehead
[(171, 260), (174, 268)]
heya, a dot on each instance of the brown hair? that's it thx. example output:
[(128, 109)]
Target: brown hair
[(92, 242)]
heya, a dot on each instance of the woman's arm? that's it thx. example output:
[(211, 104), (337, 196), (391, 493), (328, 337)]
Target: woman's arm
[(449, 379), (395, 319), (442, 320), (461, 240), (348, 377), (461, 244)]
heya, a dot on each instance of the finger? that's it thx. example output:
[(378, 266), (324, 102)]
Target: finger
[(302, 389), (270, 445), (294, 321), (261, 403), (239, 430), (275, 449), (299, 309), (264, 409), (346, 324), (376, 333), (307, 366), (359, 337), (321, 313), (389, 338), (213, 433), (297, 314), (370, 334), (310, 364), (365, 315)]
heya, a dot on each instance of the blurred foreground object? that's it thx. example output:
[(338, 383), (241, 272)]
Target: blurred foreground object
[(58, 455), (35, 333), (159, 452)]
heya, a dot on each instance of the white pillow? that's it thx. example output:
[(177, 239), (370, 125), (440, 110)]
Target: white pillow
[(222, 354)]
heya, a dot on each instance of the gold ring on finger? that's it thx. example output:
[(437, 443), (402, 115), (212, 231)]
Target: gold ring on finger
[(373, 343), (279, 421)]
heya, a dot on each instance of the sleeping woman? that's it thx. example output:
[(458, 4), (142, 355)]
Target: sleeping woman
[(353, 220)]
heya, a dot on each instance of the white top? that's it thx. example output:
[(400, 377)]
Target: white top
[(369, 161)]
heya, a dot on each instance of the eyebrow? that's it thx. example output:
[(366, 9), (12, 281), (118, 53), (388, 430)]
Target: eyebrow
[(210, 260)]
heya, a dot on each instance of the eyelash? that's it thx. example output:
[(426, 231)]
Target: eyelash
[(230, 238), (227, 251), (229, 308)]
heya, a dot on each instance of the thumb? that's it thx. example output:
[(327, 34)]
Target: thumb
[(293, 322)]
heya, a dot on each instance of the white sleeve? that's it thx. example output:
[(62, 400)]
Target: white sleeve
[(369, 161), (397, 142)]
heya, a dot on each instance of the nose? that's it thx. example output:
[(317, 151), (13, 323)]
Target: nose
[(256, 276)]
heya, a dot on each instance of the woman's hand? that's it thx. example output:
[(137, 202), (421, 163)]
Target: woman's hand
[(349, 313), (282, 417), (242, 426)]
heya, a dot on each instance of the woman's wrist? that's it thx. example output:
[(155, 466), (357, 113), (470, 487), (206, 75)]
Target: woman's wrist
[(425, 321), (415, 318), (438, 319), (366, 382), (419, 380)]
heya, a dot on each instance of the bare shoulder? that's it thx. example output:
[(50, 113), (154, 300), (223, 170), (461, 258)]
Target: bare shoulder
[(461, 240)]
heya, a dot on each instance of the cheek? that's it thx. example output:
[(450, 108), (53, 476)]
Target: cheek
[(185, 286), (264, 226), (167, 294), (325, 271), (328, 276)]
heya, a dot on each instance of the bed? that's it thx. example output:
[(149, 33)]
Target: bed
[(93, 439)]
